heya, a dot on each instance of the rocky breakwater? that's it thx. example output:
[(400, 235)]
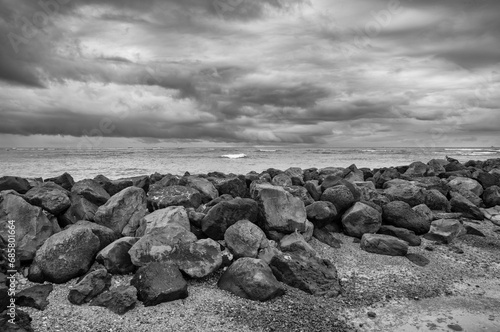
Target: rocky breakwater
[(254, 229)]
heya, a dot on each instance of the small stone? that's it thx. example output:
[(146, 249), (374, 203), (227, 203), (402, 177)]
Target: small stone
[(428, 248), (455, 327), (371, 314)]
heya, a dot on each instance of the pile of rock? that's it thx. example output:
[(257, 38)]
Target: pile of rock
[(166, 228)]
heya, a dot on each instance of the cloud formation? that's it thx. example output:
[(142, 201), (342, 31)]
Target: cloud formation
[(342, 73)]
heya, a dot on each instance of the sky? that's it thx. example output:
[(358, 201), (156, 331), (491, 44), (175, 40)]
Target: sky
[(337, 73)]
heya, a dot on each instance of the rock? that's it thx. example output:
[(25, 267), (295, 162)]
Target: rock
[(34, 296), (119, 300), (424, 211), (50, 197), (197, 259), (322, 213), (91, 191), (159, 282), (473, 231), (314, 189), (432, 182), (166, 181), (401, 233), (15, 183), (326, 237), (252, 279), (89, 287), (400, 214), (406, 191), (195, 218), (467, 184), (332, 180), (70, 253), (384, 245), (295, 242), (282, 180), (115, 256), (487, 180), (32, 225), (491, 196), (444, 215), (64, 180), (384, 175), (453, 166), (354, 174), (105, 235), (436, 166), (140, 181), (300, 192), (445, 230), (307, 272), (279, 211), (22, 322), (463, 205), (416, 169), (123, 212), (172, 215), (245, 239), (227, 213), (162, 197), (157, 245), (368, 193), (311, 174), (113, 187), (418, 259), (80, 209), (360, 219), (470, 196), (340, 196), (206, 188), (235, 187), (296, 174), (435, 200)]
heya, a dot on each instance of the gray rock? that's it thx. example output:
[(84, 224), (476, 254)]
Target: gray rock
[(34, 296), (119, 300), (89, 287), (400, 214), (401, 233), (172, 215), (252, 279), (360, 219), (282, 180), (197, 259), (424, 211), (321, 213), (384, 245), (491, 196), (65, 180), (295, 242), (115, 256), (113, 187), (80, 209), (18, 184), (467, 184), (314, 189), (461, 204), (300, 192), (436, 166), (445, 230), (91, 190), (435, 200), (340, 196), (162, 197), (326, 237), (406, 191), (418, 259), (296, 174), (206, 188), (416, 169), (245, 239), (235, 187), (50, 197)]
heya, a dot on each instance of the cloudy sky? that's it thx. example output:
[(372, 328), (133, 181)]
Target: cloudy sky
[(333, 72)]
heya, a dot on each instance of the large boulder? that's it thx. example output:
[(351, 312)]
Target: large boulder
[(300, 192), (245, 239), (80, 209), (32, 227), (491, 196), (436, 166), (307, 272), (89, 287), (91, 190), (435, 200), (321, 213), (282, 180), (172, 215), (252, 279), (467, 184), (400, 214), (115, 256), (206, 188), (384, 175), (354, 174), (15, 183), (50, 197), (360, 219), (445, 230), (295, 242), (368, 193), (162, 197), (384, 245), (314, 189), (123, 211), (432, 182), (402, 234), (470, 196), (119, 300), (488, 179), (279, 211), (461, 204), (296, 174), (234, 186), (159, 282), (158, 244), (65, 180), (416, 169), (340, 196), (34, 296), (406, 191), (226, 213), (113, 187), (70, 253)]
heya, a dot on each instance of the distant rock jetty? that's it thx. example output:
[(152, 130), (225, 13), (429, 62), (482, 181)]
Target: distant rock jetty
[(166, 228)]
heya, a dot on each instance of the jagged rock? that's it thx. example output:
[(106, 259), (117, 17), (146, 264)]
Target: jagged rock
[(463, 205), (162, 197), (227, 213), (432, 182), (384, 245), (15, 183), (32, 225), (360, 219), (340, 196), (435, 200), (70, 253), (424, 211), (159, 282), (119, 300), (235, 187), (470, 196), (91, 191), (467, 184), (34, 296), (195, 218), (22, 322), (123, 212), (384, 175), (295, 242), (491, 196), (354, 174), (445, 230), (65, 180), (418, 259), (197, 259), (436, 166), (300, 192), (307, 272), (322, 213), (172, 215), (245, 239), (296, 174), (113, 187), (311, 174), (401, 233), (416, 169), (326, 237), (308, 233), (115, 256), (80, 209), (89, 287), (368, 193), (158, 244), (206, 188), (454, 166), (50, 197), (487, 179), (282, 180), (314, 189), (400, 214), (406, 191), (166, 181), (252, 279), (473, 231)]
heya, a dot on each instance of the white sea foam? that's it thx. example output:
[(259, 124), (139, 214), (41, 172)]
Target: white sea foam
[(234, 156)]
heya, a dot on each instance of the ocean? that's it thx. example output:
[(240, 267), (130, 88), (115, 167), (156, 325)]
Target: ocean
[(125, 162)]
